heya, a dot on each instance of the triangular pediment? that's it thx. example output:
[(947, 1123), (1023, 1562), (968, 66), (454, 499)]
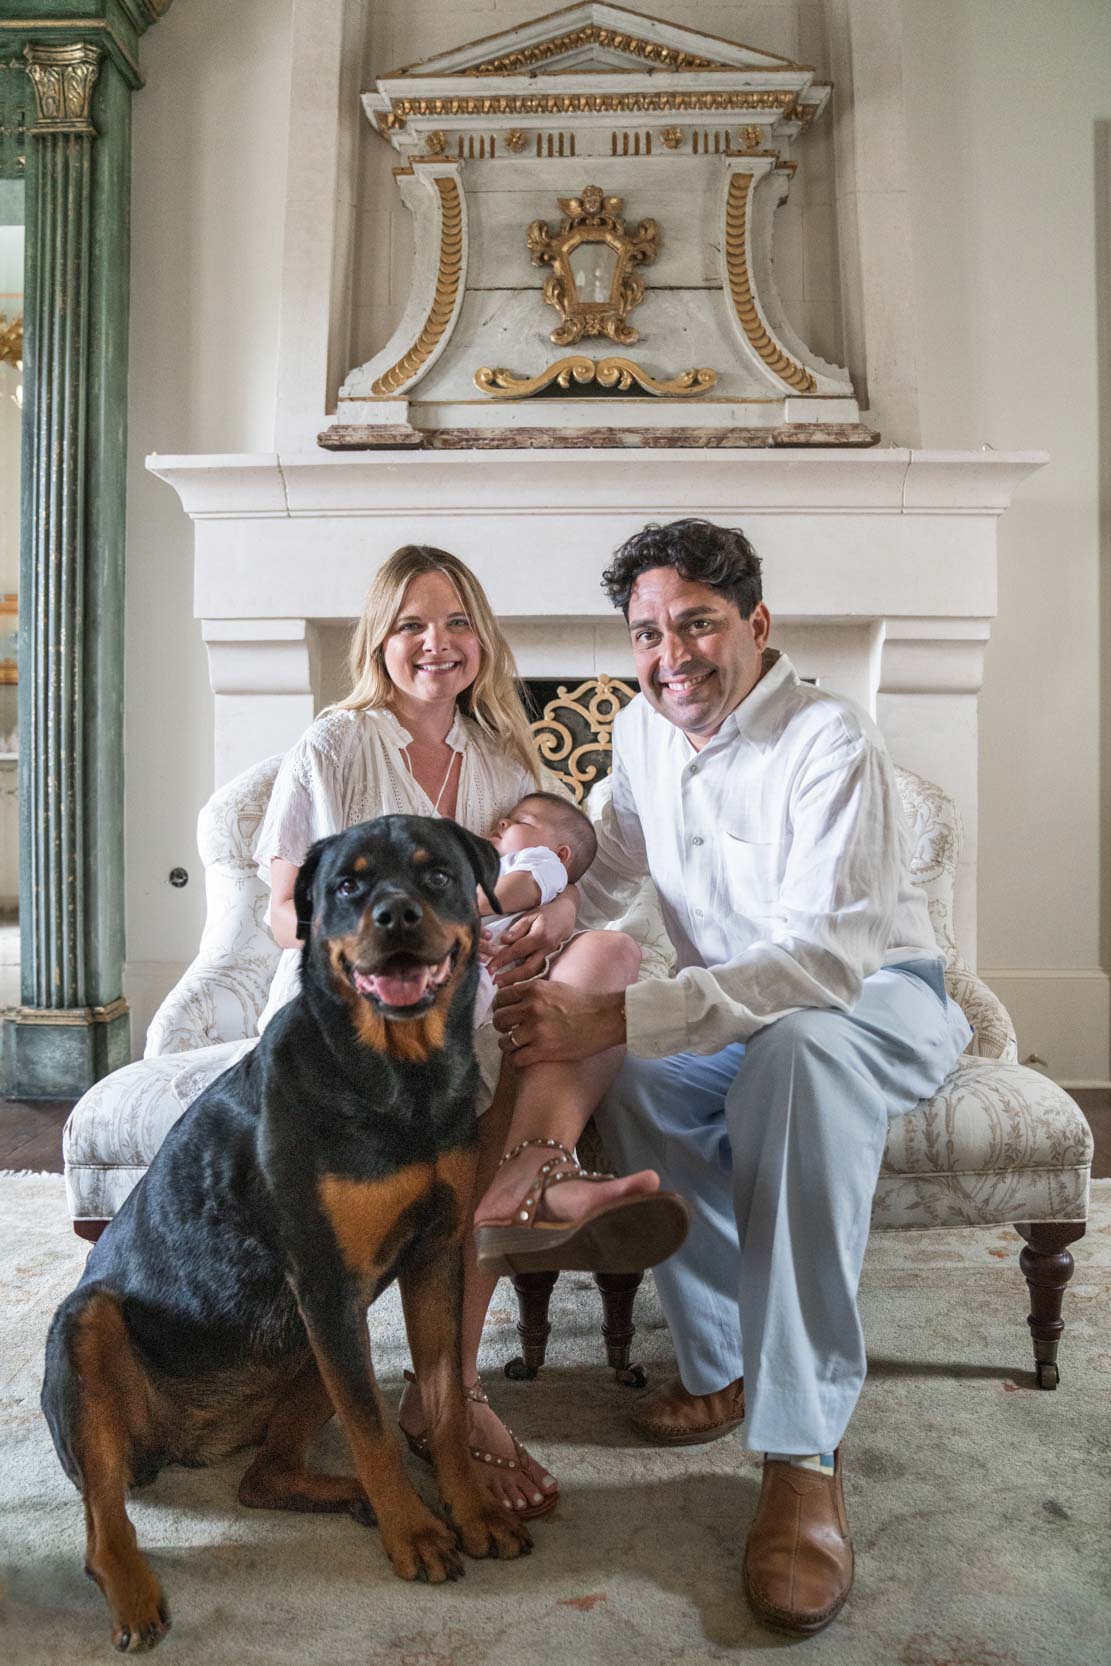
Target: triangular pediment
[(592, 38)]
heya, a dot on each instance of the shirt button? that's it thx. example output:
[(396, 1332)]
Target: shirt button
[(697, 839), (698, 912), (694, 769)]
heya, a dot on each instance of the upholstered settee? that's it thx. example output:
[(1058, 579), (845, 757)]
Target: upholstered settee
[(998, 1143)]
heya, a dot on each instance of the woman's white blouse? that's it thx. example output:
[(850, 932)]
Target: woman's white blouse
[(347, 768)]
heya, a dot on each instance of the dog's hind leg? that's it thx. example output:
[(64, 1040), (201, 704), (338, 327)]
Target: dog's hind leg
[(99, 1405), (278, 1478)]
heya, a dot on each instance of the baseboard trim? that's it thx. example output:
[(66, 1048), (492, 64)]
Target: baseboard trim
[(1063, 1014)]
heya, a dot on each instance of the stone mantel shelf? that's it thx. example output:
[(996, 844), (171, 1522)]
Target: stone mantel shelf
[(825, 481)]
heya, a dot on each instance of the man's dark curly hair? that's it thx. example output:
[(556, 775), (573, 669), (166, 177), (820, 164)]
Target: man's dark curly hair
[(720, 557)]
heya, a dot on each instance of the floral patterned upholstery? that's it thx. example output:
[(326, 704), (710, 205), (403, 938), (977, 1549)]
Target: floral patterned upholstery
[(996, 1143)]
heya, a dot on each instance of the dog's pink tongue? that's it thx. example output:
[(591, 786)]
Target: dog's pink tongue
[(395, 989)]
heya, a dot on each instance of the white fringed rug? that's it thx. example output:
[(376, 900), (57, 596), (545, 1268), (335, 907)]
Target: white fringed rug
[(979, 1504)]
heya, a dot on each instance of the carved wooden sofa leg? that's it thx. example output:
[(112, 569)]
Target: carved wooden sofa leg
[(618, 1291), (1047, 1265), (534, 1292)]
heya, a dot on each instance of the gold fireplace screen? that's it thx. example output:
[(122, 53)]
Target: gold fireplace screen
[(574, 733)]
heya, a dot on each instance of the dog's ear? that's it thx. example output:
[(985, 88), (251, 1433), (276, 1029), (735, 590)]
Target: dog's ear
[(483, 859), (302, 888)]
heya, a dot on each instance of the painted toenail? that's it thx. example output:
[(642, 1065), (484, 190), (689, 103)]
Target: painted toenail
[(549, 1481), (538, 1498), (520, 1504)]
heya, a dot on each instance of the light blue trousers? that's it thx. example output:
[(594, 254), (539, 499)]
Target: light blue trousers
[(776, 1146)]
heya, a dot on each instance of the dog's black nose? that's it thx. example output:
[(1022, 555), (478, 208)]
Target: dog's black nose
[(396, 910)]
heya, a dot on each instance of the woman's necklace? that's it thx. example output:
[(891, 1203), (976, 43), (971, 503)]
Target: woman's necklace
[(443, 783)]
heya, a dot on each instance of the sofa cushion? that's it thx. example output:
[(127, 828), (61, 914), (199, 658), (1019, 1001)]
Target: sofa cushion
[(997, 1142)]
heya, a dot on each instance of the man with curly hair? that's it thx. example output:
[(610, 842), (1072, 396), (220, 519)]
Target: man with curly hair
[(808, 1007)]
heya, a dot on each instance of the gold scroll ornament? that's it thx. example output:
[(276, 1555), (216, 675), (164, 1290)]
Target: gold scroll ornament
[(608, 373), (577, 727)]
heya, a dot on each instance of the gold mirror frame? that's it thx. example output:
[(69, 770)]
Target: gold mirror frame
[(593, 218)]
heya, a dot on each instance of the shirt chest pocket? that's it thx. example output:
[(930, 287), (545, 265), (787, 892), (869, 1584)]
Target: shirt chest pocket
[(751, 859)]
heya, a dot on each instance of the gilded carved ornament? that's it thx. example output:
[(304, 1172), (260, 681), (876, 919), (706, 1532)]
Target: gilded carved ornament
[(565, 104), (609, 373), (449, 274), (575, 725), (11, 341), (740, 287), (651, 52), (62, 79), (593, 286)]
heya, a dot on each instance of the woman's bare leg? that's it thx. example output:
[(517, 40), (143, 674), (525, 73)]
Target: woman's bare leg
[(547, 1101), (485, 1429), (555, 1101)]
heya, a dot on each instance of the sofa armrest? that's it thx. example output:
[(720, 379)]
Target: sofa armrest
[(214, 1001), (220, 996), (993, 1034)]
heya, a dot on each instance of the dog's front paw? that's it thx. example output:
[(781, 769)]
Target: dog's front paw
[(489, 1529), (140, 1617), (425, 1548)]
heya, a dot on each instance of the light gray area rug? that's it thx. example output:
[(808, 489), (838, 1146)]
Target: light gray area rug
[(980, 1505)]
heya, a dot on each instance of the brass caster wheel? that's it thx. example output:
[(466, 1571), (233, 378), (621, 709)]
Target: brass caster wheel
[(518, 1372), (633, 1376), (1047, 1373)]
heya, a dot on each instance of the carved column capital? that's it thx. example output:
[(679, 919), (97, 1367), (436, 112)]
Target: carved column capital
[(63, 78)]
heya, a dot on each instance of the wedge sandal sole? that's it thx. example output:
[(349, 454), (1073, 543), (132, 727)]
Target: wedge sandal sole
[(626, 1237)]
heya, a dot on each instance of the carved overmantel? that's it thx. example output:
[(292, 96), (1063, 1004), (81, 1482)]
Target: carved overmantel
[(660, 154)]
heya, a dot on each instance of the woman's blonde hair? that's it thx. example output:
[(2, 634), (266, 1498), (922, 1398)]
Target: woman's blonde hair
[(492, 701)]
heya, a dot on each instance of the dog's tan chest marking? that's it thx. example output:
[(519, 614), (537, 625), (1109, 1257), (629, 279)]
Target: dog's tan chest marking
[(364, 1214)]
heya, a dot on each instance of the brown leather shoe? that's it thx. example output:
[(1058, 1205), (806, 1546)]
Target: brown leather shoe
[(673, 1417), (799, 1558)]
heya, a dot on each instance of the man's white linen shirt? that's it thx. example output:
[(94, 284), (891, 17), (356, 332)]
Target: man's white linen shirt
[(780, 854)]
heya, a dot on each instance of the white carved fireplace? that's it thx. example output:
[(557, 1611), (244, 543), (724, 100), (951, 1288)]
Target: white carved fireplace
[(880, 572)]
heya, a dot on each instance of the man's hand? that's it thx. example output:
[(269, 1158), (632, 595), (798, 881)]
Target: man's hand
[(524, 946), (541, 1023)]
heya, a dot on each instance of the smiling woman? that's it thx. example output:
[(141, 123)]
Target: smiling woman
[(433, 726)]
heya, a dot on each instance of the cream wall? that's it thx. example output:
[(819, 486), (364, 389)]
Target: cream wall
[(1003, 100), (208, 190)]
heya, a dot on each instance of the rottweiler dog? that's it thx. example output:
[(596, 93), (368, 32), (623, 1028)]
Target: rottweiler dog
[(226, 1304)]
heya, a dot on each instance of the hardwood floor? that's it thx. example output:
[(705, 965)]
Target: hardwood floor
[(31, 1134)]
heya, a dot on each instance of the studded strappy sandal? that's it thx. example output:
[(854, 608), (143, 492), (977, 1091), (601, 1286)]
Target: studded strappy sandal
[(420, 1448), (624, 1237)]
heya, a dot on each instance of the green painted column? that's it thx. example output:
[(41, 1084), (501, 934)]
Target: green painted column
[(72, 1025)]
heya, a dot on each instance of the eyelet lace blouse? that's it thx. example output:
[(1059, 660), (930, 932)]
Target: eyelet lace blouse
[(347, 768)]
